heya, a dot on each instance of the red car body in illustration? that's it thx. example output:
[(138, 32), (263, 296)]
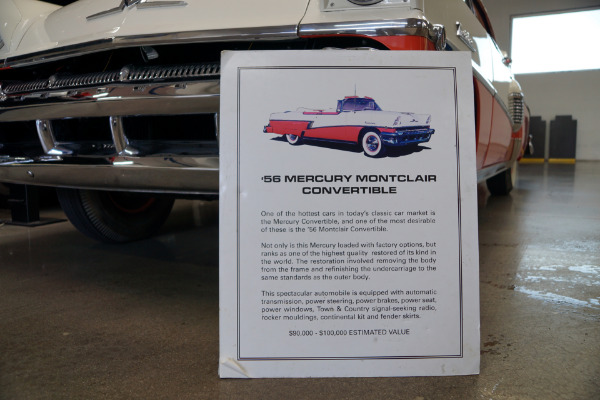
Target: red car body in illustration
[(355, 120)]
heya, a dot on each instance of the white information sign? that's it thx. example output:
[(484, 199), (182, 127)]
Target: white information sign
[(348, 214)]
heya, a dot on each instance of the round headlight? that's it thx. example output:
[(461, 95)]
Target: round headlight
[(365, 2)]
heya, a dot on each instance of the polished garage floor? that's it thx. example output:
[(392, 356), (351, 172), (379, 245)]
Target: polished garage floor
[(82, 320)]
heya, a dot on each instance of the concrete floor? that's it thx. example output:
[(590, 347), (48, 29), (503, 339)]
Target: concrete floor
[(82, 320)]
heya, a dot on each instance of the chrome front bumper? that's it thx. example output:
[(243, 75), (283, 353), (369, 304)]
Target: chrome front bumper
[(407, 137), (113, 97), (184, 175)]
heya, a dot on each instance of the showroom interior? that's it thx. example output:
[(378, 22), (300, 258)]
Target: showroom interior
[(82, 319)]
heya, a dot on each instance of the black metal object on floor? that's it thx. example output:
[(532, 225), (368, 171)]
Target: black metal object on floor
[(24, 203)]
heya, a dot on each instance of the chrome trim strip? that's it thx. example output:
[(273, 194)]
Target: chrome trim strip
[(105, 13), (217, 35), (184, 175), (286, 32), (115, 100), (495, 169), (158, 4), (408, 26), (58, 53), (516, 151), (490, 171), (488, 85)]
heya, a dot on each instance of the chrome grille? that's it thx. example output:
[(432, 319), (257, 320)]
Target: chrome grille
[(22, 87), (74, 81), (129, 74), (171, 72)]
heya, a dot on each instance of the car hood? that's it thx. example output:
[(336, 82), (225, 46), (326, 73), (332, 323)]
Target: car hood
[(51, 27)]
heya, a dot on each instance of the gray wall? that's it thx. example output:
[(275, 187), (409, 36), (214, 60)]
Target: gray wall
[(562, 93)]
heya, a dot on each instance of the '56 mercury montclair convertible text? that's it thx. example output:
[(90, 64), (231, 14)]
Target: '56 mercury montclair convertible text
[(116, 102), (355, 120)]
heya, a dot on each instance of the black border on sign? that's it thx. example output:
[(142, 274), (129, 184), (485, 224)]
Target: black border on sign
[(238, 214)]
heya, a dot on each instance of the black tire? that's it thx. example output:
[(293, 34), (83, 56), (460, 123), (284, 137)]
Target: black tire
[(501, 184), (114, 217), (371, 144), (294, 140)]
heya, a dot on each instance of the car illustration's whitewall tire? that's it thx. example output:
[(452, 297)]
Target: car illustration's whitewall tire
[(372, 144), (293, 139)]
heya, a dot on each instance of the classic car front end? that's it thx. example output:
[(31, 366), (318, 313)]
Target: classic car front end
[(407, 136), (103, 97)]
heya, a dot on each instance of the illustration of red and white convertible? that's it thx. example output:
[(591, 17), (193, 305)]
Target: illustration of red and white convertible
[(356, 120)]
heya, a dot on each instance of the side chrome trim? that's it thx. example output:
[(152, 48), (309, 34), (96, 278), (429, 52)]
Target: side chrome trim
[(285, 32), (58, 53), (490, 171), (516, 151), (495, 169), (183, 175), (218, 35)]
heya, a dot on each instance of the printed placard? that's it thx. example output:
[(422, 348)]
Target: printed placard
[(348, 229)]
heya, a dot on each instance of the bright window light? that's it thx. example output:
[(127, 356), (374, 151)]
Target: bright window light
[(556, 42)]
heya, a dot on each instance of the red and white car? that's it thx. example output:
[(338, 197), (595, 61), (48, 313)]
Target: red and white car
[(355, 120), (116, 101)]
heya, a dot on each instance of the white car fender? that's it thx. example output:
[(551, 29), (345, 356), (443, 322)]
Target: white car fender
[(16, 18)]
